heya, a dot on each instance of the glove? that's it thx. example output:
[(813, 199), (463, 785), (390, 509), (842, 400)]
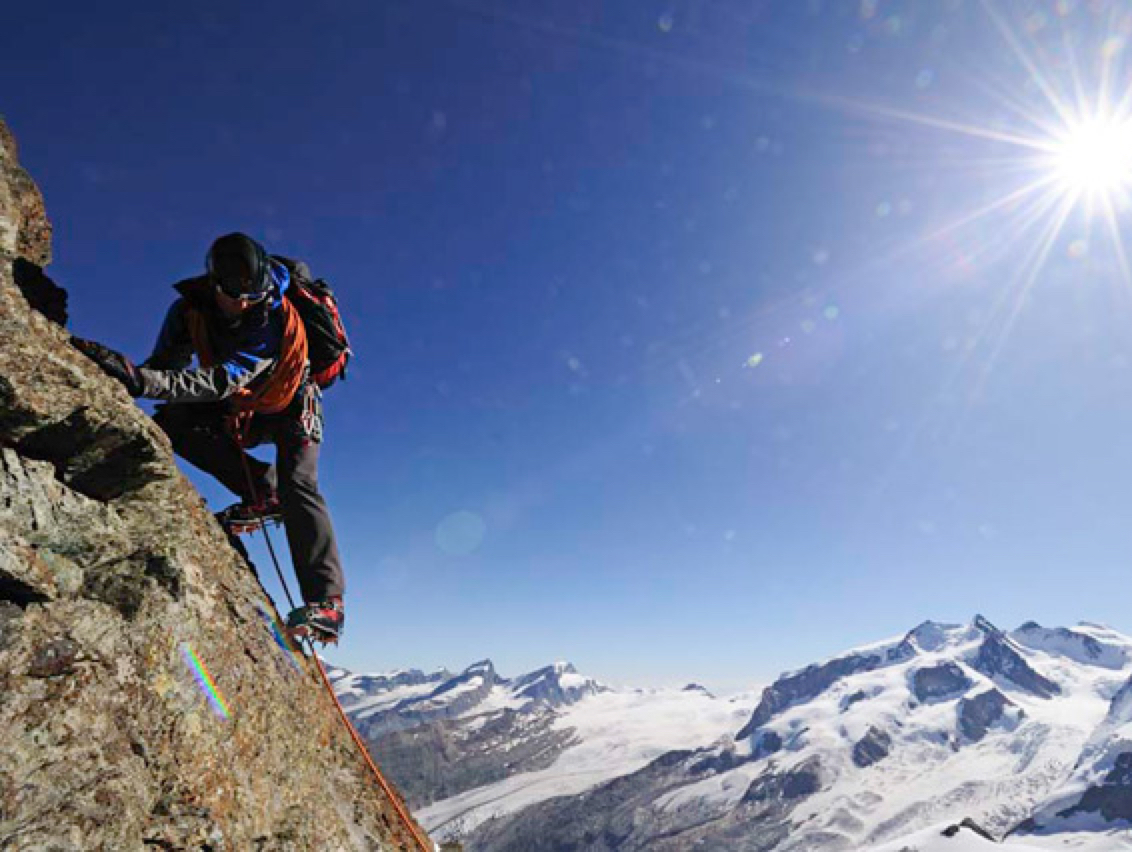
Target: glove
[(114, 364)]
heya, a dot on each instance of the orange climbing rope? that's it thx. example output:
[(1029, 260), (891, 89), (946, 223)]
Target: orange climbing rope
[(422, 839), (391, 794)]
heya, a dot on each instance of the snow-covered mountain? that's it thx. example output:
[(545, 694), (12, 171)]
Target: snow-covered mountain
[(472, 746), (1027, 733)]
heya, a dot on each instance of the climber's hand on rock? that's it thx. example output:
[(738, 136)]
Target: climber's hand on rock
[(114, 364)]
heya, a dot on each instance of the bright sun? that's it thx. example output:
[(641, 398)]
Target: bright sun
[(1094, 158)]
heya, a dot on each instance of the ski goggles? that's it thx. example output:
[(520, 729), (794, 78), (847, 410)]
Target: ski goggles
[(236, 288)]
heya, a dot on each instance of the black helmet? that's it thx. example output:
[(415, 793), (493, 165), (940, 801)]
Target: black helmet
[(239, 266)]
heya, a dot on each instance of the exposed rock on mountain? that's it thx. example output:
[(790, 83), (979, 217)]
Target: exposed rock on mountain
[(1101, 783), (977, 714), (623, 815), (447, 700), (998, 657), (1112, 798), (439, 760), (1078, 646), (871, 748), (556, 686), (942, 681), (144, 698), (465, 730), (813, 680), (897, 740)]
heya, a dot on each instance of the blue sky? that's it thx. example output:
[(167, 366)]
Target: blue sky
[(672, 359)]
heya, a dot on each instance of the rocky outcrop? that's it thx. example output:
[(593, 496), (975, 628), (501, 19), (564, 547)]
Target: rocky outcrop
[(1106, 764), (805, 780), (849, 700), (970, 825), (936, 683), (144, 697), (998, 657), (872, 748), (1112, 798), (978, 714)]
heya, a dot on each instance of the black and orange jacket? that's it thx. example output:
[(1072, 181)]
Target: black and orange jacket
[(258, 362)]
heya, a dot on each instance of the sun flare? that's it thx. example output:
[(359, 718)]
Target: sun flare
[(1094, 158)]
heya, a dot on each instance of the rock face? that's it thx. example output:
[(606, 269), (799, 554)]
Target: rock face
[(556, 686), (811, 681), (1112, 798), (1077, 646), (448, 701), (464, 731), (938, 682), (871, 748), (144, 698), (434, 761), (998, 658), (977, 714), (623, 816)]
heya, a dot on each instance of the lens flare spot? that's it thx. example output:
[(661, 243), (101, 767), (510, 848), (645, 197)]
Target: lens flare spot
[(1078, 249), (831, 312), (461, 533), (754, 361)]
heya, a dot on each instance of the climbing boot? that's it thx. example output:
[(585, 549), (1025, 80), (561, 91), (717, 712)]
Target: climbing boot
[(319, 622)]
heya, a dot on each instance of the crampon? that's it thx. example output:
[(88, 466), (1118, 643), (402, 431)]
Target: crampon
[(320, 622), (244, 517)]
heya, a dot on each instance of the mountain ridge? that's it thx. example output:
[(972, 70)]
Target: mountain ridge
[(1026, 732)]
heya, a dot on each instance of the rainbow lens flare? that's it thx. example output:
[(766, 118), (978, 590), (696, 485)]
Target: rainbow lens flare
[(280, 638), (205, 682)]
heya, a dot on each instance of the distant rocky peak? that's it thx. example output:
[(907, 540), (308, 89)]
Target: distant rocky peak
[(998, 658), (484, 670), (981, 623), (555, 685)]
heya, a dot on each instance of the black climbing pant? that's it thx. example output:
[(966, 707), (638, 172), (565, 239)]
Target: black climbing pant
[(198, 434)]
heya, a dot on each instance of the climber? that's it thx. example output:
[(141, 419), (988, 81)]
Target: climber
[(251, 384)]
